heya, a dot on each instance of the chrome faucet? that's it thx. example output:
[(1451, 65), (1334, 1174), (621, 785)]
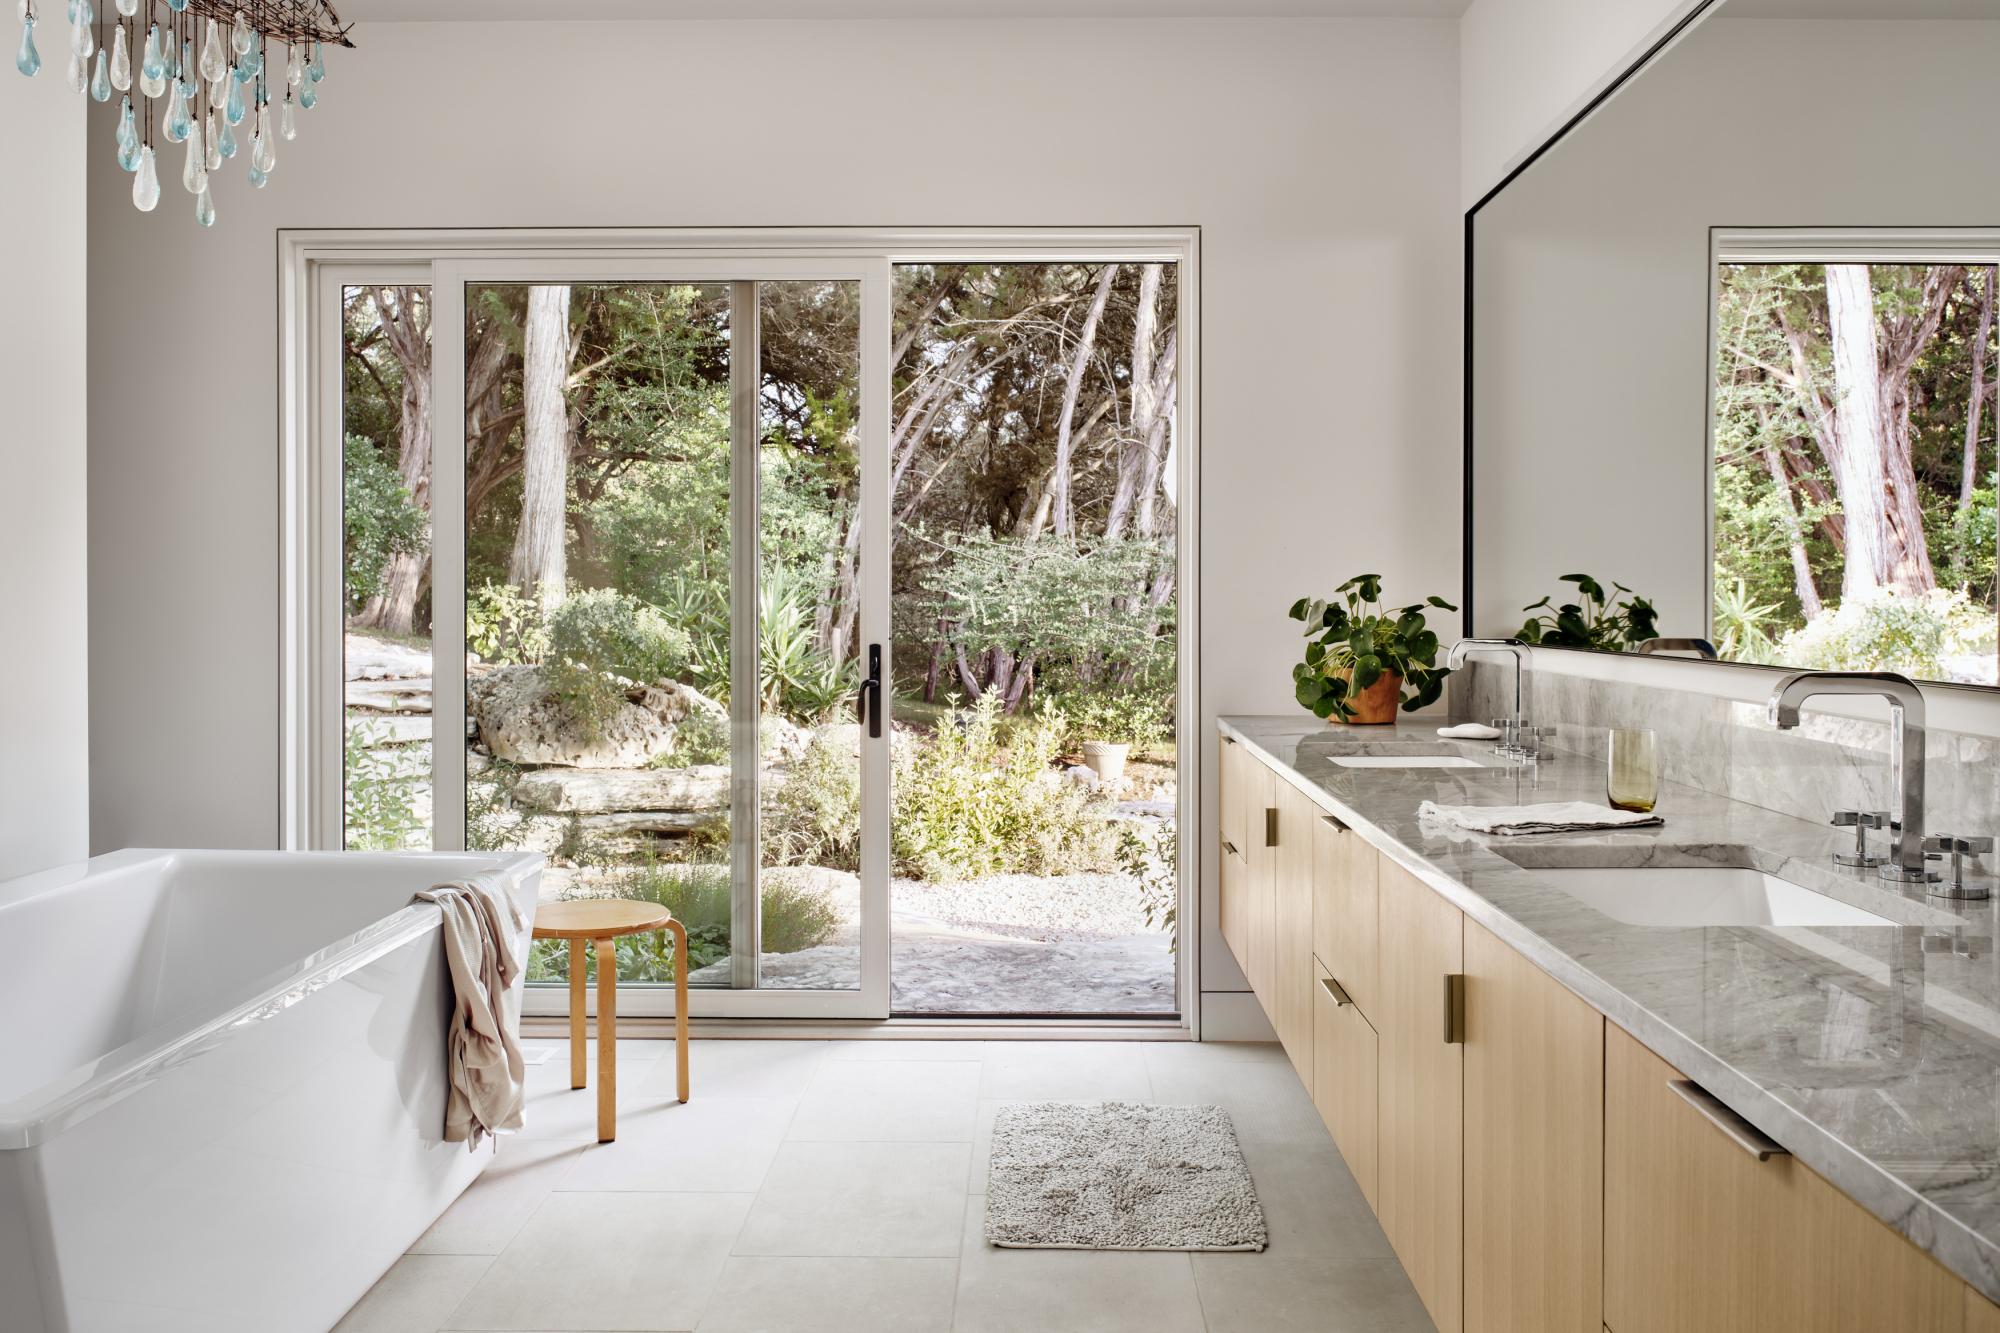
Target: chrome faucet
[(1701, 648), (1515, 739), (1906, 863)]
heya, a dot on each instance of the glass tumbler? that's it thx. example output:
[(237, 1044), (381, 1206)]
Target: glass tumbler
[(1632, 778)]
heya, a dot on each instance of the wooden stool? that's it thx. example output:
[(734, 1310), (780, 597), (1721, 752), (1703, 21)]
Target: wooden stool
[(604, 920)]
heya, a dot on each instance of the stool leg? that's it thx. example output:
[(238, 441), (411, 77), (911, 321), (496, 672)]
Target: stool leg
[(681, 1003), (607, 1040), (577, 1076)]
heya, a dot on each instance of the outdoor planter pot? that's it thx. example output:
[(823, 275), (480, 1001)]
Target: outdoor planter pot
[(1106, 759)]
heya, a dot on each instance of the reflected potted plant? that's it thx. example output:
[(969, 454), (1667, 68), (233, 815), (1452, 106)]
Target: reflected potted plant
[(1362, 661), (1597, 619)]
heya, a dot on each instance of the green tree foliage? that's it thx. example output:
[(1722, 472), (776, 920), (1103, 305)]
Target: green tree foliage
[(379, 517)]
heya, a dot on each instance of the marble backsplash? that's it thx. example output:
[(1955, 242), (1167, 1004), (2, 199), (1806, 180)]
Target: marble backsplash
[(1728, 747)]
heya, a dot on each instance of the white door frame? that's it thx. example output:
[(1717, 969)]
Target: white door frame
[(314, 264)]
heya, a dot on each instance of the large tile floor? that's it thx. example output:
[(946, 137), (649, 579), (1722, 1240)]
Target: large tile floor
[(814, 1186)]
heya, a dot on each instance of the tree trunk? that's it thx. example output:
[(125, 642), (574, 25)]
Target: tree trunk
[(538, 566), (1802, 578), (404, 314), (1859, 471), (1138, 437), (1061, 516), (1969, 480)]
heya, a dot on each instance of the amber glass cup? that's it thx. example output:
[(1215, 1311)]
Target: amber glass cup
[(1631, 775)]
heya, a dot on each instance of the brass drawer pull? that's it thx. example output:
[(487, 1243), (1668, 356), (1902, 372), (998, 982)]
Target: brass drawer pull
[(1733, 1126), (1340, 999), (1336, 822), (1454, 1009), (1270, 826)]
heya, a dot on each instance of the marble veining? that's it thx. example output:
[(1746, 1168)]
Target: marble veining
[(1871, 1052)]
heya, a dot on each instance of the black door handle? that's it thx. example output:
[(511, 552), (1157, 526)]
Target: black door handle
[(868, 703)]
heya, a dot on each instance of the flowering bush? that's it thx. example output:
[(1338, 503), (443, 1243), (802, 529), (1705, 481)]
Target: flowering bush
[(1889, 631)]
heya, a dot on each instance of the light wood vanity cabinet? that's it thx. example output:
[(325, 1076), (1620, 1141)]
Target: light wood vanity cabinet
[(1421, 1102), (1701, 1234), (1534, 1147), (1530, 1164)]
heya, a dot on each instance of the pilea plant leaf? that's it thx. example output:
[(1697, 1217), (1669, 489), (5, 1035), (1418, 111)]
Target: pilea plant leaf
[(1353, 643)]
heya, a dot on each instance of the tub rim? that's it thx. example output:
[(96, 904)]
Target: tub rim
[(103, 1080)]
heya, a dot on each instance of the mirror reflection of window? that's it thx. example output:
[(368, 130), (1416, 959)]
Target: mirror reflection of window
[(1853, 481)]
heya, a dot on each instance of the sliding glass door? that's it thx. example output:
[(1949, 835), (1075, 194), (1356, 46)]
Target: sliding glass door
[(658, 583)]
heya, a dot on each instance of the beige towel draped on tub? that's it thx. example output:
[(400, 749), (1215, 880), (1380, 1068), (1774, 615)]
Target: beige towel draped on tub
[(480, 923)]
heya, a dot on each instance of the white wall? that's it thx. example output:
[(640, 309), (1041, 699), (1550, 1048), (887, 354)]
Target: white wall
[(1593, 286), (1527, 66), (44, 703), (1319, 158)]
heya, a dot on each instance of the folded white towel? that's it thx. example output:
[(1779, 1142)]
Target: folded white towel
[(487, 1073), (1555, 817)]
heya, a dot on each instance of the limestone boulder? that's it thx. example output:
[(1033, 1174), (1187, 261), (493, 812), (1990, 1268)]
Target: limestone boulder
[(594, 791), (520, 719)]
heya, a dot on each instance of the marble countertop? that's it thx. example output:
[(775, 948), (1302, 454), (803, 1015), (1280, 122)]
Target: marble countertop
[(1871, 1052)]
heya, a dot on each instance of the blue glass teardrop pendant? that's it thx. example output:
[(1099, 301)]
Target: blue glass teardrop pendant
[(232, 106), (152, 65), (72, 11), (177, 121), (100, 80), (177, 5), (308, 97), (250, 65), (127, 131), (225, 139), (184, 68), (258, 176), (317, 69), (28, 60)]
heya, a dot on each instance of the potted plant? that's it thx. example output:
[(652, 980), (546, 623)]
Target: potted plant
[(1110, 724), (1598, 619), (1361, 660)]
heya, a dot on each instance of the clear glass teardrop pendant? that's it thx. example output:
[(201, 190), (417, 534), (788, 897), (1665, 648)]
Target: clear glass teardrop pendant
[(78, 73), (204, 206), (82, 40), (317, 69), (232, 105), (288, 125), (194, 171), (295, 65), (121, 60), (213, 131), (128, 7), (146, 182), (213, 65), (177, 123), (151, 64), (100, 80), (263, 155), (184, 68), (28, 60), (308, 97), (240, 35), (225, 139)]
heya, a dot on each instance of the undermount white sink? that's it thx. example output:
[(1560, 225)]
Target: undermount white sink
[(1703, 896), (1406, 761)]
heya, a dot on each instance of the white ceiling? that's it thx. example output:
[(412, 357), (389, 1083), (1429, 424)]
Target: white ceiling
[(1861, 9), (385, 11)]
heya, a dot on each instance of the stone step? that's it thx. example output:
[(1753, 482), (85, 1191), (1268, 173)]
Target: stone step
[(390, 696), (593, 791), (389, 729)]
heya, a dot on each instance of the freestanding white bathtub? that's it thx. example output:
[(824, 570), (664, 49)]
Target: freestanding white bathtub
[(222, 1085)]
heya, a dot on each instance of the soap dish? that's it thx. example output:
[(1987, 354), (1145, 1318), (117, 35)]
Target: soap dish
[(1469, 731)]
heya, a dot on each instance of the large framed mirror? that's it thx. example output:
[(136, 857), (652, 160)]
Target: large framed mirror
[(1733, 352)]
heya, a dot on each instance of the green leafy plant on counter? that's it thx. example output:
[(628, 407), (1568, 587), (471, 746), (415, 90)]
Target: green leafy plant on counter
[(1597, 619), (1353, 643)]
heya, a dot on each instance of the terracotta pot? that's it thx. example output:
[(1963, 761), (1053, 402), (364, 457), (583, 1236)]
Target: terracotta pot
[(1375, 706)]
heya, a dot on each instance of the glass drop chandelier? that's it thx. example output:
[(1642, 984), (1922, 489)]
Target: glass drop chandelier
[(200, 69)]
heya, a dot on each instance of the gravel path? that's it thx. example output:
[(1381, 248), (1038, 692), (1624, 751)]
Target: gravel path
[(1028, 907)]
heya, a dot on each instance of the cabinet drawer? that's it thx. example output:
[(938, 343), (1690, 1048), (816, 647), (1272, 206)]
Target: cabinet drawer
[(1343, 914), (1344, 1083), (1701, 1234)]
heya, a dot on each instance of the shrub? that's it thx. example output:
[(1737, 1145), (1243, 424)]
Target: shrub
[(794, 918), (814, 816), (380, 517), (1141, 718), (598, 640), (381, 794), (1888, 631), (964, 808), (1153, 859), (504, 626)]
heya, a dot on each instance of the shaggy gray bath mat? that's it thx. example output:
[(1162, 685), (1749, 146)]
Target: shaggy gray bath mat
[(1119, 1176)]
